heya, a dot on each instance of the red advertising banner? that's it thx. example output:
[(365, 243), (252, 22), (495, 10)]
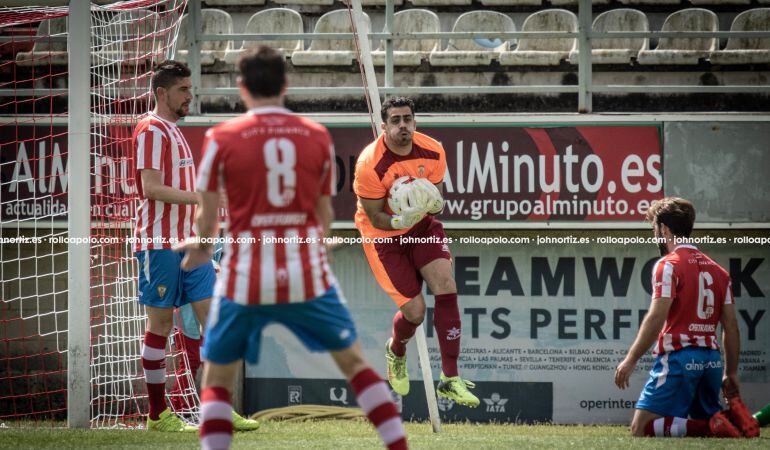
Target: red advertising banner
[(494, 173)]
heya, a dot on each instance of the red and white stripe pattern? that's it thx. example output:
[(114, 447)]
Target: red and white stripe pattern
[(689, 278), (374, 399), (274, 252), (275, 272), (154, 365), (216, 430), (160, 145)]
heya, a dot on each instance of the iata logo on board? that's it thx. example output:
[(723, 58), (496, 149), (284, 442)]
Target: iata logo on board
[(495, 404)]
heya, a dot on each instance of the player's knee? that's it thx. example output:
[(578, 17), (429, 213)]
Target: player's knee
[(637, 428), (414, 311), (444, 284), (160, 326)]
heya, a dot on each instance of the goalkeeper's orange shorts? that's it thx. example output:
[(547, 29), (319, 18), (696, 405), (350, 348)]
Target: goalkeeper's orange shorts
[(396, 265)]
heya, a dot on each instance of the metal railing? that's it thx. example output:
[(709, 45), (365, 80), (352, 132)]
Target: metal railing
[(585, 87)]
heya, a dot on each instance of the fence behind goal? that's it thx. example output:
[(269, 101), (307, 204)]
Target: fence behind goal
[(127, 38)]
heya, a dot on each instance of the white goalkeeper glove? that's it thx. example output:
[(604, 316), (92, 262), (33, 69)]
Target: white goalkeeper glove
[(407, 218), (433, 201)]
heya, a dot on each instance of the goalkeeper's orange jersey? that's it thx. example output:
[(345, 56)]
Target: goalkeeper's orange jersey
[(378, 167)]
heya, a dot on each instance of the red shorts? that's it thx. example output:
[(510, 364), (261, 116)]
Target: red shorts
[(396, 265)]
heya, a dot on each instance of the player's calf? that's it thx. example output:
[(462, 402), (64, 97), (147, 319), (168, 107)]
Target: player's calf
[(216, 429), (739, 415), (374, 399), (670, 426), (721, 426)]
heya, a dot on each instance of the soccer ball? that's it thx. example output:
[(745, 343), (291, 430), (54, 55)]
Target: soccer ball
[(398, 196)]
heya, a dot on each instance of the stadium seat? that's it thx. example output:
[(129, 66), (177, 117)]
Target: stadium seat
[(616, 50), (410, 52), (305, 2), (540, 51), (137, 43), (440, 2), (376, 2), (720, 2), (471, 52), (44, 52), (268, 21), (650, 2), (213, 21), (746, 50), (335, 52), (511, 2), (575, 2), (684, 50), (234, 2)]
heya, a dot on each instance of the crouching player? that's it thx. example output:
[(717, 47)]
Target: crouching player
[(691, 296), (277, 172)]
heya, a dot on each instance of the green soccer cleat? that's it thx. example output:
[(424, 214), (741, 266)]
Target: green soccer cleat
[(398, 377), (170, 423), (455, 388), (241, 423)]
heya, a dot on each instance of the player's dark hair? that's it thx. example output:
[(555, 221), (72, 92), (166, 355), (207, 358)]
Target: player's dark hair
[(168, 73), (263, 71), (676, 213), (395, 102)]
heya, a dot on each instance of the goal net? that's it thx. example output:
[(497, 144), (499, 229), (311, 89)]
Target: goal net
[(127, 38)]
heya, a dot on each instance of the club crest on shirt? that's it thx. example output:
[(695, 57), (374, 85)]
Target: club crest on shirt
[(421, 171), (161, 290)]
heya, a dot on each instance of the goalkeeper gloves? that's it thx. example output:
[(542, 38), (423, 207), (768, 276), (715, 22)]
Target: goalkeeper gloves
[(407, 219), (433, 201)]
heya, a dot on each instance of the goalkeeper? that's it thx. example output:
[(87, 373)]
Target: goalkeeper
[(400, 266)]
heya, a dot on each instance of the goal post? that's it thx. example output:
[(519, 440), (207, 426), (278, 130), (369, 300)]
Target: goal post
[(76, 77), (79, 217), (372, 93)]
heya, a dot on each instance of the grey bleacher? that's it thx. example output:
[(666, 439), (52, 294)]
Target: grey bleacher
[(684, 51), (213, 21), (330, 52), (617, 50), (269, 21), (542, 51), (471, 52)]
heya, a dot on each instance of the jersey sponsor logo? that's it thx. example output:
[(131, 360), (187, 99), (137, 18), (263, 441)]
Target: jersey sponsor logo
[(186, 162), (495, 403), (702, 327), (694, 365)]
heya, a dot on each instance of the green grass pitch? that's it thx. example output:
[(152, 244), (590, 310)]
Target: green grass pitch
[(358, 434)]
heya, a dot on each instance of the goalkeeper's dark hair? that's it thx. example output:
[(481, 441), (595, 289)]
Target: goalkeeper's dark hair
[(395, 102), (168, 73), (676, 213), (263, 72)]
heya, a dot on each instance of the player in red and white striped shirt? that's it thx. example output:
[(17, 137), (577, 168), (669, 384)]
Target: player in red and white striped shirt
[(165, 178), (277, 172), (691, 297)]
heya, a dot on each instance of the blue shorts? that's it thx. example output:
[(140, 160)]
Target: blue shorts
[(234, 331), (163, 283), (684, 383)]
